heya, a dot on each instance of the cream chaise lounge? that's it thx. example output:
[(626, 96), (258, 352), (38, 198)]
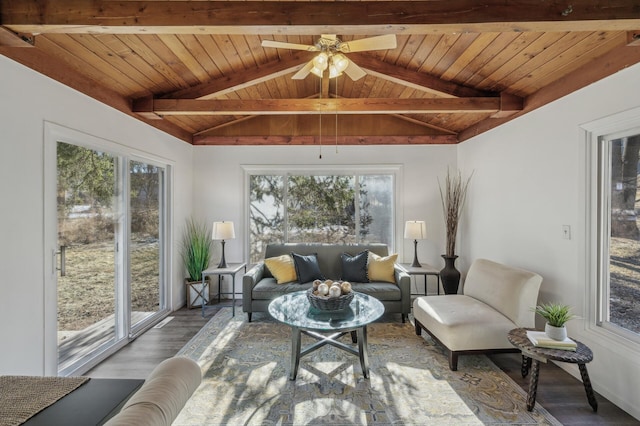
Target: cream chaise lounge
[(496, 298)]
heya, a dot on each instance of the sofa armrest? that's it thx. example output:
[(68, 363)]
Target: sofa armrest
[(403, 280), (162, 396), (249, 281)]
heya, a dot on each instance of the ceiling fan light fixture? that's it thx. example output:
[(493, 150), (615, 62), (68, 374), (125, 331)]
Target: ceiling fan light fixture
[(340, 62), (334, 71), (316, 71), (321, 61)]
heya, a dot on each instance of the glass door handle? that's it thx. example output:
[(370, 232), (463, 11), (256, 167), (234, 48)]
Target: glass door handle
[(63, 261)]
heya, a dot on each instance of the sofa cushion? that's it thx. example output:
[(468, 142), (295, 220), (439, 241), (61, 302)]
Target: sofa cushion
[(268, 289), (282, 268), (380, 290), (354, 268), (463, 323), (382, 268), (307, 268)]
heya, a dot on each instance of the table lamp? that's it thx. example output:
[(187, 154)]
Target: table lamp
[(223, 231), (415, 230)]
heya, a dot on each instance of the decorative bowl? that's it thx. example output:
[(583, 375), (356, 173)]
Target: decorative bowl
[(325, 303)]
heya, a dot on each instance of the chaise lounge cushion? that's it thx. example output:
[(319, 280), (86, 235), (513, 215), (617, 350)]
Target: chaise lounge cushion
[(463, 323)]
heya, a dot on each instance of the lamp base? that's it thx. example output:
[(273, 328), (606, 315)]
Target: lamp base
[(415, 263), (223, 262)]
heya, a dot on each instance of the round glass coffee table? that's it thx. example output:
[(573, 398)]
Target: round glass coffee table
[(294, 310)]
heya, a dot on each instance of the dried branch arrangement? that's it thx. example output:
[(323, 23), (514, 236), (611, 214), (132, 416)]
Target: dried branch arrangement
[(453, 197)]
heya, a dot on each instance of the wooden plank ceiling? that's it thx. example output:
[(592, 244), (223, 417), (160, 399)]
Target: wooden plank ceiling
[(197, 69)]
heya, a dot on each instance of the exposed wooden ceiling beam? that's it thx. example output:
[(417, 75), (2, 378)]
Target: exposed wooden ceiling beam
[(11, 39), (314, 17), (314, 106), (316, 140), (415, 80), (245, 79)]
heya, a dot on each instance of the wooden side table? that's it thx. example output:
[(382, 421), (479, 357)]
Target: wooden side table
[(582, 355), (422, 270)]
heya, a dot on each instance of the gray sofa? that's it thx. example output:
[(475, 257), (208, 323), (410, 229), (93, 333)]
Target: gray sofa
[(259, 287)]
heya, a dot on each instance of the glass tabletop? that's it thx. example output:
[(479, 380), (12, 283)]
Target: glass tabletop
[(294, 309)]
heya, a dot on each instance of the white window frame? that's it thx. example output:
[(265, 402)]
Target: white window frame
[(396, 170), (593, 266)]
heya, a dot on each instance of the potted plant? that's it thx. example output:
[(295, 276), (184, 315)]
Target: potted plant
[(196, 254), (453, 197), (556, 315)]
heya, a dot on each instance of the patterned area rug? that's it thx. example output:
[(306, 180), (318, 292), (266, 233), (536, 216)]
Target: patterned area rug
[(245, 381)]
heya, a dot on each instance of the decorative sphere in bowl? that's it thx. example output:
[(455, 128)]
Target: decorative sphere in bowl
[(335, 291)]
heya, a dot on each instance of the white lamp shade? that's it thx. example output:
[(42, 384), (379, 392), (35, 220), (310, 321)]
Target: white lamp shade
[(223, 231), (415, 230)]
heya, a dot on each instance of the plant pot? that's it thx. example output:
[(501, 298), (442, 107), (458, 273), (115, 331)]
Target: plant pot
[(195, 291), (449, 275), (555, 333)]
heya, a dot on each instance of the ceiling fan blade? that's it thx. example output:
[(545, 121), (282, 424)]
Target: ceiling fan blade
[(284, 45), (304, 72), (354, 71), (383, 42)]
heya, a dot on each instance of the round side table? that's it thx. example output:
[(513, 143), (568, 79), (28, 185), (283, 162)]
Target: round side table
[(581, 356)]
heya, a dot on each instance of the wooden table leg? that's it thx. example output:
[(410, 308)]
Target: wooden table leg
[(533, 385), (526, 365), (587, 387)]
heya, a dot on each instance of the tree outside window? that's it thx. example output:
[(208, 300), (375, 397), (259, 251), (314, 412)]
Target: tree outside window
[(620, 297), (322, 208)]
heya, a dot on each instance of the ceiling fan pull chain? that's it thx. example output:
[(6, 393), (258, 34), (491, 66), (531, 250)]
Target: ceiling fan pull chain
[(320, 127), (336, 115)]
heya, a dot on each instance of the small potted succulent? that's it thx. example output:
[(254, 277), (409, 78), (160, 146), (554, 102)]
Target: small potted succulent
[(557, 316)]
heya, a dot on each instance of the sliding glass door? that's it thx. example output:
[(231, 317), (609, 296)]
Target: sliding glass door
[(110, 250), (146, 197), (87, 246)]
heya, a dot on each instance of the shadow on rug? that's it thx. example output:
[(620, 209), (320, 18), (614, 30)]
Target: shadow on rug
[(245, 381)]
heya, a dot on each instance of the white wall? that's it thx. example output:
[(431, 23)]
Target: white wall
[(219, 187), (27, 100), (528, 182)]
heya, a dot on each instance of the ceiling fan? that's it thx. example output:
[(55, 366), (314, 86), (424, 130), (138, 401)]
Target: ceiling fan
[(331, 56)]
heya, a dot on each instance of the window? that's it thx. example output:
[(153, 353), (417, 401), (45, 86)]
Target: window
[(320, 207), (613, 229)]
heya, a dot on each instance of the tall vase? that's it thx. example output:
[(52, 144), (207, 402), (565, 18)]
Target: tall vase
[(449, 275)]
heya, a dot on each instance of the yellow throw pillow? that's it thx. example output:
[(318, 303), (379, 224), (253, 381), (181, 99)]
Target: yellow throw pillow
[(381, 268), (282, 268)]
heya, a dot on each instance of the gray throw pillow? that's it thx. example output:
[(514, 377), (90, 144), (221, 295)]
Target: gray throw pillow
[(354, 268), (307, 268)]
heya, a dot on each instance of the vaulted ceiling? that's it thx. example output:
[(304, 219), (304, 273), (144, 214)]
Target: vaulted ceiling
[(198, 70)]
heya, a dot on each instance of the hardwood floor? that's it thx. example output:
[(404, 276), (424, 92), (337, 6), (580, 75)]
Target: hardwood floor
[(559, 392)]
